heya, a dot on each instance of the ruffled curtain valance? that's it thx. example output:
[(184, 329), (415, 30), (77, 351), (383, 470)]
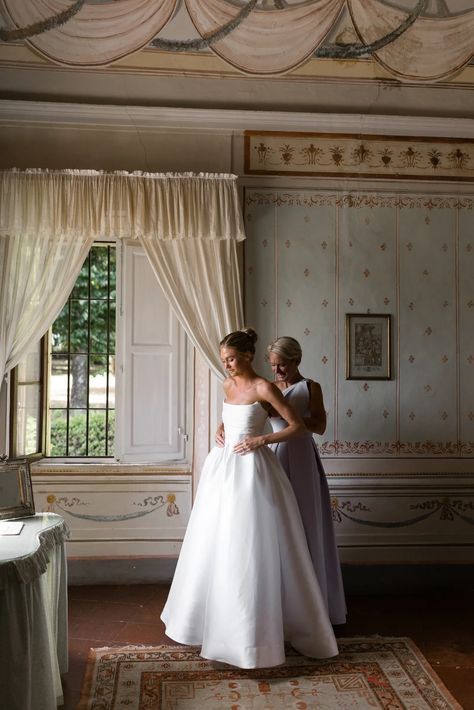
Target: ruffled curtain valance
[(74, 203)]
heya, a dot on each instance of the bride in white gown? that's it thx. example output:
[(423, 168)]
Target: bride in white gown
[(244, 583)]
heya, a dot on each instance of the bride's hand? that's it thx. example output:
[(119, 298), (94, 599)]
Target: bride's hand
[(250, 443), (220, 435)]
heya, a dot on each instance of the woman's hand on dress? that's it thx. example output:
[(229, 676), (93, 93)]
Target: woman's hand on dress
[(250, 443), (220, 435)]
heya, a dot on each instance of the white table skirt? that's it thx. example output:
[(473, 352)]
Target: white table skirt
[(33, 614)]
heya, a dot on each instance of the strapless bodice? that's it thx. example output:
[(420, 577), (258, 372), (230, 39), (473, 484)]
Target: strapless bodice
[(242, 420)]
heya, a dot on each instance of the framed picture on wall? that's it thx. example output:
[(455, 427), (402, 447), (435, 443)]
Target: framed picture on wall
[(368, 346)]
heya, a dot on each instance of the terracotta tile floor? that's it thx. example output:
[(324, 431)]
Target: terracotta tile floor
[(441, 624)]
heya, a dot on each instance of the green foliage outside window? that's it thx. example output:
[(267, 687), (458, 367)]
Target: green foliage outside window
[(78, 437)]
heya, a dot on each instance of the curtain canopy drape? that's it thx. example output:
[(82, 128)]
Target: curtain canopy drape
[(49, 219)]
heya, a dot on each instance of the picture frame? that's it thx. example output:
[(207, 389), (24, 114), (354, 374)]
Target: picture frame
[(16, 490), (368, 346)]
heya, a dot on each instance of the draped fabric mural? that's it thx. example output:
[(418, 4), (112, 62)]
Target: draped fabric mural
[(256, 37)]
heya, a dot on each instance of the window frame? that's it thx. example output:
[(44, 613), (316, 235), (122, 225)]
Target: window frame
[(109, 463), (13, 405), (110, 458)]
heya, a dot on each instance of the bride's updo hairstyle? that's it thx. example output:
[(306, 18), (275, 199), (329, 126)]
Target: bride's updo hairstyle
[(241, 340), (287, 348)]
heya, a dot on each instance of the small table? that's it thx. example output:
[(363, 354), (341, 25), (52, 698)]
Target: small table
[(33, 614)]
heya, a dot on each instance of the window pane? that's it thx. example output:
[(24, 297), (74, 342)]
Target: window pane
[(60, 331), (98, 342), (112, 328), (79, 326), (77, 432), (58, 433), (30, 367), (28, 419), (83, 375), (112, 381), (97, 438), (78, 381), (99, 272), (58, 382), (98, 382), (111, 434), (112, 275), (81, 288)]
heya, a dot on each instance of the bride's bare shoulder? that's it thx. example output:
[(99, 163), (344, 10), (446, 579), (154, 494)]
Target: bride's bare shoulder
[(265, 388)]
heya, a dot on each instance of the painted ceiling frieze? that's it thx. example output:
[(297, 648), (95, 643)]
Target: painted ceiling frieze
[(431, 48), (95, 34), (413, 40), (267, 41)]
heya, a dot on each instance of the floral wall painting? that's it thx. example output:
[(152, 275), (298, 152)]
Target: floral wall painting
[(345, 155), (368, 346)]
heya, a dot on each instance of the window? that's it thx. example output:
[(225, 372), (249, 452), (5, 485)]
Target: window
[(27, 404), (82, 357), (111, 393)]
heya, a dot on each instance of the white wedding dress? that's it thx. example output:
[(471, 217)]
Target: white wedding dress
[(245, 583)]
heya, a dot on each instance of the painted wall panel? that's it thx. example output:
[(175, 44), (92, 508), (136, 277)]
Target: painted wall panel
[(466, 331), (428, 390), (367, 284), (367, 251), (260, 264), (305, 288)]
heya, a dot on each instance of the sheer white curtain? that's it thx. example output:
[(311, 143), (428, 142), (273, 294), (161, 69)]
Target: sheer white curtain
[(190, 238), (189, 225), (200, 279), (36, 279), (39, 259)]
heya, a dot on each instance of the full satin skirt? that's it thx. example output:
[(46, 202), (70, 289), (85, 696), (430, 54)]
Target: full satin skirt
[(245, 583)]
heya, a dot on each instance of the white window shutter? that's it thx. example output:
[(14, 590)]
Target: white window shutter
[(152, 367)]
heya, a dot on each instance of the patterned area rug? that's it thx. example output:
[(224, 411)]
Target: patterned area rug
[(375, 672)]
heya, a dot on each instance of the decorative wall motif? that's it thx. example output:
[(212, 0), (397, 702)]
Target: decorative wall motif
[(447, 508), (312, 256), (411, 518), (134, 513), (70, 506), (269, 152)]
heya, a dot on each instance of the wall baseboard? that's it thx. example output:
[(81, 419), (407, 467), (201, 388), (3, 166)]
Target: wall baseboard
[(358, 578)]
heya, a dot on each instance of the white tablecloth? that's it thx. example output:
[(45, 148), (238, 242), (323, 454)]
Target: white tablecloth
[(33, 614)]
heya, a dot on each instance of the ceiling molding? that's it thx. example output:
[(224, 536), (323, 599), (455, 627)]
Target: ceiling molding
[(130, 118)]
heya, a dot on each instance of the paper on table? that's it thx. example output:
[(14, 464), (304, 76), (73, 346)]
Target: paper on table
[(8, 527)]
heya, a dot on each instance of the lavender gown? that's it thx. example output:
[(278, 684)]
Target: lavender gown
[(300, 459)]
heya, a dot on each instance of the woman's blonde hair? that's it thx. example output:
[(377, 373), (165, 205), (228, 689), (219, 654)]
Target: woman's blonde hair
[(286, 347)]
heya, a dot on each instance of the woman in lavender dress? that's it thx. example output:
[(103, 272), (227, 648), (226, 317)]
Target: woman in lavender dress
[(300, 459)]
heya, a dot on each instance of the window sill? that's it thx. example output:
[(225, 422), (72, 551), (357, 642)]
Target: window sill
[(50, 467)]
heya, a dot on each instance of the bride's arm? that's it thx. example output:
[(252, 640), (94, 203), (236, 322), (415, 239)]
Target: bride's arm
[(220, 435)]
